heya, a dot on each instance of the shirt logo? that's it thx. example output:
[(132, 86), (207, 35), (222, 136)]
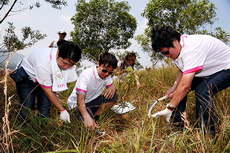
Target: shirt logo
[(58, 76)]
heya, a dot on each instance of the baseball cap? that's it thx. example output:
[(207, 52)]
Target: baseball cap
[(61, 31)]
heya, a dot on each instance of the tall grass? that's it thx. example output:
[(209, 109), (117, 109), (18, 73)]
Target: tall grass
[(133, 132)]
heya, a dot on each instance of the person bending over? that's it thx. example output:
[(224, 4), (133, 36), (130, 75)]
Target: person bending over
[(46, 72), (203, 64)]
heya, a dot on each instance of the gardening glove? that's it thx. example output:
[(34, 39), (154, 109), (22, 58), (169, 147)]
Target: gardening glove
[(64, 115), (166, 112)]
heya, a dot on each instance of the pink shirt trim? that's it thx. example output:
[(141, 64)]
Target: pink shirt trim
[(48, 87), (182, 38), (109, 85), (80, 90), (193, 70), (51, 55), (94, 74)]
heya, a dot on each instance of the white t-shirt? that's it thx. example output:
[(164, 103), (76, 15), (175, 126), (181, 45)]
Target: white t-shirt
[(89, 84), (122, 76), (202, 54), (53, 44), (38, 66)]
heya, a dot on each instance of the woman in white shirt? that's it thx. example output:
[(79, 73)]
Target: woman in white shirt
[(49, 70)]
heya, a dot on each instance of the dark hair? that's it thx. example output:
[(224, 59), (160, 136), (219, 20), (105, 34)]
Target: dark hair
[(163, 37), (61, 41), (108, 60), (124, 63), (69, 50)]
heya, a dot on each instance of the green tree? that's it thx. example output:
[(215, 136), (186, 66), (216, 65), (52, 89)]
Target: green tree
[(11, 41), (7, 6), (101, 25), (187, 16)]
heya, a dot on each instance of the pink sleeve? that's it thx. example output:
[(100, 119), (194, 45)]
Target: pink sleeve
[(198, 68)]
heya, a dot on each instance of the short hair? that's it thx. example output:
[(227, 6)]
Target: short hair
[(108, 59), (163, 37), (70, 50), (61, 41)]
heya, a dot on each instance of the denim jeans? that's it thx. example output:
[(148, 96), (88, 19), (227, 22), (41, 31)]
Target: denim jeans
[(27, 91), (94, 105), (205, 89)]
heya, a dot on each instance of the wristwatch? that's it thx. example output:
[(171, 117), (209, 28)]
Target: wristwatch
[(170, 108)]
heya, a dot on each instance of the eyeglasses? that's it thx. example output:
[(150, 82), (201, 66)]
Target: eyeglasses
[(105, 71), (64, 34), (166, 52)]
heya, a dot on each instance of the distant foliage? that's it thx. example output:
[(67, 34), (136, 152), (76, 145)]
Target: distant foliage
[(12, 42), (186, 16), (101, 25), (29, 37), (8, 7)]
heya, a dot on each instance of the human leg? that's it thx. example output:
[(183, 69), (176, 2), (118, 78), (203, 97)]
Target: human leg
[(26, 93), (43, 103), (91, 107), (97, 106), (176, 115), (106, 105), (205, 92)]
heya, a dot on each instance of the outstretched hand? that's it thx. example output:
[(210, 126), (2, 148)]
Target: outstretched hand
[(166, 112), (64, 115)]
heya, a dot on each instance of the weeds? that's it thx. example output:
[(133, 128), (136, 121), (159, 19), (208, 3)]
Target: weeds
[(133, 132)]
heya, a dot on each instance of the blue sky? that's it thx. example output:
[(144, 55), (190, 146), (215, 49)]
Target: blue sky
[(49, 21)]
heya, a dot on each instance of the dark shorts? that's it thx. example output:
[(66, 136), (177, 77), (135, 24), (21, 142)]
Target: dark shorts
[(93, 106)]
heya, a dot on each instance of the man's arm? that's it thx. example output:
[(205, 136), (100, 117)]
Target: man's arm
[(170, 92), (64, 115), (182, 89), (137, 80), (53, 98), (88, 121)]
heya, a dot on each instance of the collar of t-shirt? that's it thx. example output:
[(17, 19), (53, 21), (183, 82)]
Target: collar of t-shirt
[(182, 43), (95, 74)]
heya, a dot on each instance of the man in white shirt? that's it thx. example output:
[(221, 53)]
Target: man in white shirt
[(204, 66), (62, 34), (49, 70), (87, 97)]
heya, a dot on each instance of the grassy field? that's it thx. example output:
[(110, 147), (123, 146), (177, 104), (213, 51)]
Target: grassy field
[(133, 132)]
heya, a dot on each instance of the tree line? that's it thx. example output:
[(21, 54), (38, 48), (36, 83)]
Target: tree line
[(103, 25)]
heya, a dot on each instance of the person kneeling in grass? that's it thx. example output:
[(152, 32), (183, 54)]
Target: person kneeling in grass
[(87, 97)]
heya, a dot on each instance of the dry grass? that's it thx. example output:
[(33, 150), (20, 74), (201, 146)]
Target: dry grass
[(133, 132)]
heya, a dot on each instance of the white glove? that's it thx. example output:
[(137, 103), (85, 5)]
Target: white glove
[(64, 115), (166, 112)]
